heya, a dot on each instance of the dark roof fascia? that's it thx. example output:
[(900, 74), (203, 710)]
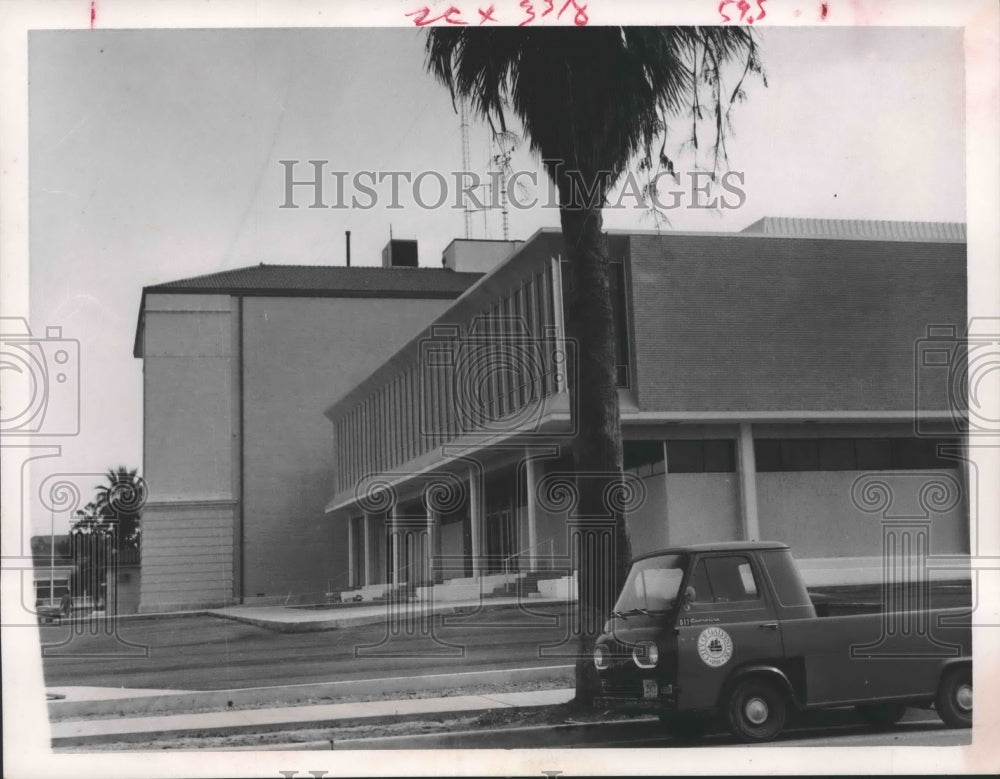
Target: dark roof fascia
[(722, 546), (741, 236)]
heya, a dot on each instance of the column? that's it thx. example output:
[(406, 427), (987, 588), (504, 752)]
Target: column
[(531, 500), (366, 527), (475, 519), (394, 541), (432, 521), (748, 483), (351, 562)]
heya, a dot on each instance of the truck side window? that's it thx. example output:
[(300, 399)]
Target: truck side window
[(724, 580), (702, 587)]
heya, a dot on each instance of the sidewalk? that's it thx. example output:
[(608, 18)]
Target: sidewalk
[(113, 701), (291, 619), (138, 729)]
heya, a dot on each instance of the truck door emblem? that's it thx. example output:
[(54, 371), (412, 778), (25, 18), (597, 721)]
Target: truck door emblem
[(715, 647)]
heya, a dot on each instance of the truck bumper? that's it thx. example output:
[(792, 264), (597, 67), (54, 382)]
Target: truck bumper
[(655, 697)]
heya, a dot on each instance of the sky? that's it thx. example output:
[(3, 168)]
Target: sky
[(154, 156)]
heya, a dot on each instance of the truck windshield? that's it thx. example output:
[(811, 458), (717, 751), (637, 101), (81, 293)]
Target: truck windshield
[(652, 585)]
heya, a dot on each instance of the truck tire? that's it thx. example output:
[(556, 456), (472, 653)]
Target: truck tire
[(756, 710), (881, 713), (954, 698)]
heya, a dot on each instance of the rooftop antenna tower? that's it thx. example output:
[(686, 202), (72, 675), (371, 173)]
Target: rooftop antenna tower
[(506, 142), (467, 210)]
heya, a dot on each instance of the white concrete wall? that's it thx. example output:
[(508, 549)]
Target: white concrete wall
[(300, 354), (813, 512), (702, 508), (647, 526), (190, 442), (187, 555)]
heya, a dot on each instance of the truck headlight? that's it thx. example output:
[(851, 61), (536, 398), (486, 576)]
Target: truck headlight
[(646, 654), (602, 658)]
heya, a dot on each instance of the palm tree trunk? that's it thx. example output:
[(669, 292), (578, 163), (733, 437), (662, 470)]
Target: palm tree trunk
[(599, 542)]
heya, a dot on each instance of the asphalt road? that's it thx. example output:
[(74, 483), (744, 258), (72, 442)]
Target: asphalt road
[(210, 653), (920, 729), (823, 728)]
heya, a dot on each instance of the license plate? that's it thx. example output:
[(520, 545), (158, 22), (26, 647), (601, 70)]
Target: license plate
[(649, 688)]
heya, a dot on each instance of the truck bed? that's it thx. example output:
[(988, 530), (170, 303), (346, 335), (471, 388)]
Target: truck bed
[(870, 598)]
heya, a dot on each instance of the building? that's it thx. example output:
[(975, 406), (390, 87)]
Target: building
[(82, 568), (772, 385), (238, 367)]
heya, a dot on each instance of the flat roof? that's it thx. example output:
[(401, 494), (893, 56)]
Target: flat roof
[(317, 281)]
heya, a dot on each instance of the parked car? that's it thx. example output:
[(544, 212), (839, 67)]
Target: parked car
[(56, 613), (729, 631)]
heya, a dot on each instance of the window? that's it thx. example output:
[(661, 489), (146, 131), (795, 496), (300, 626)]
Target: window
[(60, 586), (850, 454), (644, 458), (652, 584), (723, 580), (702, 456)]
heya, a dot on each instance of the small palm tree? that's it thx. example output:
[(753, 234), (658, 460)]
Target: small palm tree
[(116, 508), (591, 102), (119, 504)]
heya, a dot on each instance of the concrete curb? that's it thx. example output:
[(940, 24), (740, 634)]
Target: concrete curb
[(291, 694), (540, 736), (285, 746)]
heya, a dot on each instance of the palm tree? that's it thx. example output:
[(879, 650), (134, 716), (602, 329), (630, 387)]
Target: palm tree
[(119, 503), (116, 508), (592, 101)]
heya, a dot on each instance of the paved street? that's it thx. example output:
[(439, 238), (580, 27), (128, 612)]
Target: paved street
[(209, 653), (923, 729), (829, 728)]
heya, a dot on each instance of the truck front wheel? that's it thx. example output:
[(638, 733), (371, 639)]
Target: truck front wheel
[(756, 710), (954, 698)]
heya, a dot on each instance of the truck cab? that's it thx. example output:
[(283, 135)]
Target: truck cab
[(730, 630)]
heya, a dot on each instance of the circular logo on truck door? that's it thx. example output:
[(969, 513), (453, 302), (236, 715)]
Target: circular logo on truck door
[(715, 647)]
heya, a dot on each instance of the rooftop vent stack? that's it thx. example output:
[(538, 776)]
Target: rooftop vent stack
[(477, 256), (399, 253)]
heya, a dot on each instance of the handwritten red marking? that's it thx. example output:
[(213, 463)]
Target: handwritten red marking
[(824, 9), (451, 16), (93, 13), (550, 4), (580, 18), (743, 7), (487, 15), (529, 11)]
